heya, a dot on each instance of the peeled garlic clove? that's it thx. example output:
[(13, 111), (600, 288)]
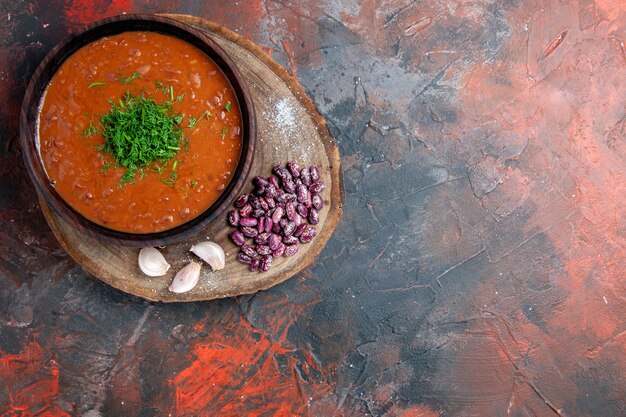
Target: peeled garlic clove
[(152, 262), (186, 278), (211, 253)]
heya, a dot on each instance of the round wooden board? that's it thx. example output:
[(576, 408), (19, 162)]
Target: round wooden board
[(289, 128)]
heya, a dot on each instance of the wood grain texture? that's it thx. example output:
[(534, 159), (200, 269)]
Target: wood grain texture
[(289, 128)]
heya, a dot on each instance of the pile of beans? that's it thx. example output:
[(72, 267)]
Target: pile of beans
[(278, 216)]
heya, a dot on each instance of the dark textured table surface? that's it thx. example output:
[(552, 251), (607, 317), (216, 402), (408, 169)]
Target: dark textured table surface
[(478, 269)]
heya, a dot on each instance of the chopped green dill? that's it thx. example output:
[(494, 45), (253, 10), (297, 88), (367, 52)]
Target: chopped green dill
[(194, 122), (140, 132), (175, 165), (224, 132), (130, 78), (171, 180), (158, 168), (127, 178), (181, 188), (193, 183), (96, 84), (90, 130), (171, 93), (227, 106), (180, 98), (105, 168)]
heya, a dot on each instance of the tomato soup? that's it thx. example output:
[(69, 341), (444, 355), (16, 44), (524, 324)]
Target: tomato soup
[(160, 68)]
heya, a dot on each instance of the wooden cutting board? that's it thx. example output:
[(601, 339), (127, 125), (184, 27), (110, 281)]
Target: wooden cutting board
[(289, 128)]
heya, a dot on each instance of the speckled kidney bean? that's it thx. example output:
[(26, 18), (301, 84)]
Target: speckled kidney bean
[(254, 202), (260, 182), (248, 231), (302, 210), (305, 176), (260, 226), (315, 173), (317, 187), (258, 213), (279, 250), (273, 241), (289, 186), (289, 228), (314, 217), (233, 218), (302, 193), (248, 221), (308, 234), (271, 191), (241, 200), (247, 249), (290, 240), (244, 259), (262, 238), (290, 210), (282, 172), (300, 229), (294, 168), (278, 214), (291, 250), (317, 202), (238, 238), (266, 263), (263, 250)]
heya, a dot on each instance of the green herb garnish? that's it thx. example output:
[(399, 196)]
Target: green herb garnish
[(139, 132), (96, 84), (90, 130), (180, 98), (105, 168), (193, 183), (171, 180), (224, 132), (227, 106), (193, 122), (130, 78), (162, 87)]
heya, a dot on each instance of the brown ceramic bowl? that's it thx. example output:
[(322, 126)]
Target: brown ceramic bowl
[(107, 27)]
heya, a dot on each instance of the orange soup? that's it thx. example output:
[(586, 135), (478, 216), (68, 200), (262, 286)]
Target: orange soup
[(110, 73)]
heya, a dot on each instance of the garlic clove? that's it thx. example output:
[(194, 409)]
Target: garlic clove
[(152, 262), (211, 253), (186, 278)]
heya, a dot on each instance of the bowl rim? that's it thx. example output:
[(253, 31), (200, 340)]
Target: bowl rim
[(113, 25)]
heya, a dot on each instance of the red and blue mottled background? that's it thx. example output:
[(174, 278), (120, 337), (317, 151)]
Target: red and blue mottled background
[(478, 269)]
